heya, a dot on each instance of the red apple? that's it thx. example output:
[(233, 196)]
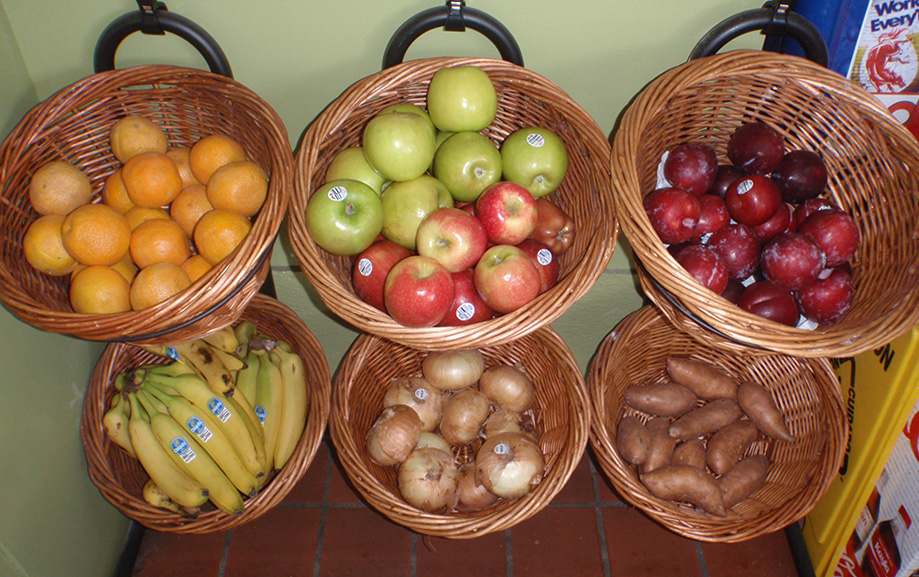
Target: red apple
[(554, 227), (468, 307), (507, 211), (713, 216), (692, 167), (793, 260), (506, 278), (467, 206), (828, 298), (753, 199), (705, 266), (737, 246), (836, 233), (418, 291), (368, 274), (770, 300), (545, 261), (453, 237), (673, 213)]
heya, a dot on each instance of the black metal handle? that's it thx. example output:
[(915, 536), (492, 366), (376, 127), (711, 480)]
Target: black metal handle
[(771, 20), (455, 16), (154, 18)]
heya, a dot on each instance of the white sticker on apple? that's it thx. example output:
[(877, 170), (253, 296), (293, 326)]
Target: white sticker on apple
[(365, 267), (465, 311), (338, 193), (535, 140)]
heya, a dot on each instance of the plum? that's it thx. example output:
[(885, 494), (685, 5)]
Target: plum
[(802, 174), (705, 266), (836, 233), (673, 213), (692, 167), (753, 199), (725, 177), (713, 216), (793, 260), (776, 225), (807, 208), (770, 300), (828, 298), (756, 147), (737, 246)]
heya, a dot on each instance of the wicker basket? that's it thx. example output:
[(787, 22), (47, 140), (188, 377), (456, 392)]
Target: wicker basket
[(562, 416), (806, 390), (121, 478), (524, 99), (873, 165), (73, 125)]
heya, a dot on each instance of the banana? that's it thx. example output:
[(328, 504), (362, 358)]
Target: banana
[(158, 498), (227, 418), (244, 332), (115, 420), (200, 356), (240, 406), (231, 361), (173, 369), (223, 339), (247, 377), (189, 455), (268, 399), (209, 435), (294, 403), (168, 476)]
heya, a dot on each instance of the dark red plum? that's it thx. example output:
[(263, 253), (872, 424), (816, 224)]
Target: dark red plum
[(713, 216), (836, 233), (828, 298), (673, 213), (753, 200), (792, 259), (776, 225), (692, 167), (801, 175), (705, 266), (737, 246), (725, 177), (756, 148), (733, 290), (807, 208), (772, 301)]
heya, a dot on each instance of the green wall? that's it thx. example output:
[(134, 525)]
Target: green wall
[(298, 56)]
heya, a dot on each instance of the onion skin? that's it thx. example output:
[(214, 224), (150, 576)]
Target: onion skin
[(508, 387), (512, 471), (453, 370), (464, 415), (472, 496), (428, 479), (434, 441), (393, 435), (505, 421), (420, 395)]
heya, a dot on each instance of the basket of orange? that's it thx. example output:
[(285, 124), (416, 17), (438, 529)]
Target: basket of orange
[(140, 203), (821, 266), (519, 147)]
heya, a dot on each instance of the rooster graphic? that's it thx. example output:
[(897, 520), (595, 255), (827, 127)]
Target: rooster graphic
[(882, 59)]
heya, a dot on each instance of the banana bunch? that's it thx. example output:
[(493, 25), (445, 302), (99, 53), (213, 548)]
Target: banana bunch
[(211, 426)]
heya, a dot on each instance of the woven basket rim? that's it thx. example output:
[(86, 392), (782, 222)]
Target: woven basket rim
[(343, 301), (686, 302), (221, 284)]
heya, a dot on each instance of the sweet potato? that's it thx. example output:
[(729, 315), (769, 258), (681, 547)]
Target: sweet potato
[(706, 419), (662, 399), (633, 440), (743, 479), (728, 445), (691, 452), (705, 380), (662, 445), (685, 483), (757, 403)]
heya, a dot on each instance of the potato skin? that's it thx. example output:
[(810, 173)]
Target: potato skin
[(743, 479), (756, 402), (633, 440), (706, 419), (727, 446), (662, 445), (707, 381), (661, 399), (691, 452), (685, 483)]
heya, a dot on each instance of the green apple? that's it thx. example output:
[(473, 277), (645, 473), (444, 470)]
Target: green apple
[(412, 108), (406, 203), (350, 164), (398, 145), (535, 158), (344, 216), (461, 98), (467, 163)]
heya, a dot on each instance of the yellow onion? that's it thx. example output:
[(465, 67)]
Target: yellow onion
[(453, 370), (508, 387), (509, 465), (393, 435), (463, 417), (472, 496), (506, 421), (417, 393), (428, 479), (433, 440)]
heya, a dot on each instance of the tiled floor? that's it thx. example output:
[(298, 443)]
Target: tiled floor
[(324, 530)]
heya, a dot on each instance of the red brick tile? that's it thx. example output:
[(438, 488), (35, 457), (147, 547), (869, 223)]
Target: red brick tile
[(358, 542), (179, 555), (279, 543), (765, 556), (311, 486), (580, 486), (557, 541), (484, 556), (639, 546)]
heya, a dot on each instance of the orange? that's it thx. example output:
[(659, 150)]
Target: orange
[(58, 187), (141, 214), (159, 240), (179, 155), (219, 232), (188, 207), (156, 283), (211, 152), (44, 248), (195, 266), (152, 179), (241, 186), (125, 266), (133, 135), (100, 290), (96, 234), (115, 194)]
